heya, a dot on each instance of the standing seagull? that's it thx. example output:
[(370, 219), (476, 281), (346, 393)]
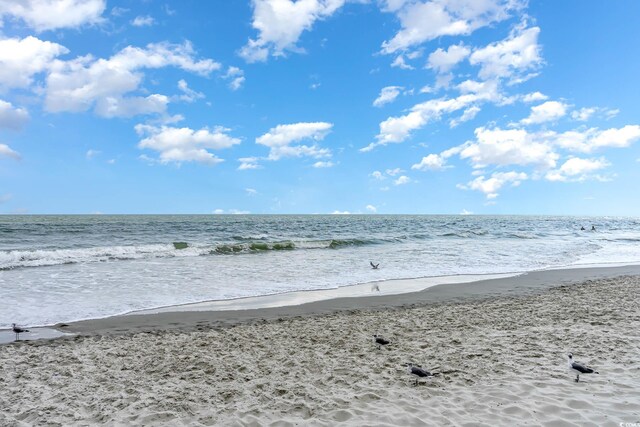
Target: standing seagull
[(378, 339), (18, 330), (418, 372), (374, 266), (579, 368)]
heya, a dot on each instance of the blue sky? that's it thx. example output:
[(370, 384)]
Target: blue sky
[(319, 106)]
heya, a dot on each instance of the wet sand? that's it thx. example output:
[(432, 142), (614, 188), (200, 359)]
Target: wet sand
[(500, 348)]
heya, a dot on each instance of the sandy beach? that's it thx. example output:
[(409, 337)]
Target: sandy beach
[(501, 359)]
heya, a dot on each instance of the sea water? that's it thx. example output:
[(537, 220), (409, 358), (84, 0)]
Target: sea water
[(64, 268)]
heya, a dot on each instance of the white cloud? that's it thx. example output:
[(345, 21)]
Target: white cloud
[(394, 172), (21, 59), (589, 140), (230, 212), (534, 97), (424, 21), (179, 145), (465, 212), (546, 112), (188, 94), (323, 164), (430, 162), (399, 62), (85, 82), (280, 24), (397, 129), (371, 208), (583, 114), (4, 198), (403, 179), (511, 57), (12, 117), (143, 21), (340, 213), (6, 151), (442, 61), (508, 147), (251, 191), (248, 163), (280, 138), (468, 114), (378, 175), (387, 94), (44, 15), (92, 153), (236, 78), (491, 186), (576, 169)]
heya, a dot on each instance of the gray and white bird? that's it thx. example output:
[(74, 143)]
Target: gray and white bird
[(579, 368), (418, 372), (380, 340), (374, 266), (18, 330)]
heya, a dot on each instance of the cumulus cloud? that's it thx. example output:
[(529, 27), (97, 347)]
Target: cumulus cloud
[(280, 140), (403, 179), (177, 145), (21, 59), (387, 94), (442, 61), (508, 147), (188, 94), (510, 58), (534, 97), (143, 21), (44, 15), (371, 208), (12, 117), (468, 114), (248, 163), (490, 186), (378, 175), (589, 140), (235, 76), (6, 151), (430, 162), (280, 24), (398, 129), (424, 21), (546, 112), (399, 62), (92, 153), (576, 169), (322, 164), (85, 83)]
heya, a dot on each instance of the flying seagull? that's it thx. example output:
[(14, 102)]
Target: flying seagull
[(378, 339), (18, 330), (418, 372), (374, 266), (579, 368)]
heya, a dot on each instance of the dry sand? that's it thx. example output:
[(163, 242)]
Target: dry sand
[(502, 362)]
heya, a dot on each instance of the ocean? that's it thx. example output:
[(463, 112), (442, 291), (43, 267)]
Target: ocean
[(65, 268)]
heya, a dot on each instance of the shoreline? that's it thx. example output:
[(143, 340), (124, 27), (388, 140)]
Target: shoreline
[(173, 317), (501, 356)]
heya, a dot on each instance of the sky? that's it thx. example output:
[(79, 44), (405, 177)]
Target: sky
[(319, 107)]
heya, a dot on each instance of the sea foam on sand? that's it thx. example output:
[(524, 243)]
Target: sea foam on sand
[(502, 362)]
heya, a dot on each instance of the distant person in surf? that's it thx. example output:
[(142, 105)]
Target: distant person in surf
[(593, 228), (582, 228)]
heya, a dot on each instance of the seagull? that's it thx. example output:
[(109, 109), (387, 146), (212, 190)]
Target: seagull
[(378, 339), (374, 266), (418, 372), (579, 368), (18, 330)]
